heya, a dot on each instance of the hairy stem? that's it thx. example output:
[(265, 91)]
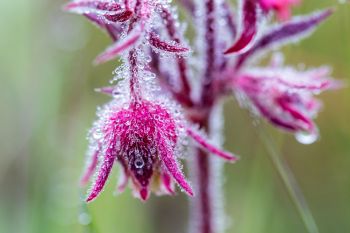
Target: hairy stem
[(203, 192), (206, 207), (185, 92), (211, 61), (133, 83), (207, 215)]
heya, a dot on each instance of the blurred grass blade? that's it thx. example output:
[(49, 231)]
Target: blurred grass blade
[(289, 181)]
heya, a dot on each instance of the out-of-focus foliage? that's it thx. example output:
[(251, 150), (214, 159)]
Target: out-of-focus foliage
[(47, 103)]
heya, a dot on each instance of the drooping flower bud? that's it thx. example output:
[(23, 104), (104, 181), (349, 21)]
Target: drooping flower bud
[(144, 137), (285, 96)]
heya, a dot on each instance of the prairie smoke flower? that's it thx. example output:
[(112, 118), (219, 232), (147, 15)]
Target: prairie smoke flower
[(128, 23), (145, 138), (285, 96)]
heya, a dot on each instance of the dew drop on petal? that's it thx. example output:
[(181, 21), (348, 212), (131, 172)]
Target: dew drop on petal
[(306, 137), (84, 218), (97, 134), (139, 163)]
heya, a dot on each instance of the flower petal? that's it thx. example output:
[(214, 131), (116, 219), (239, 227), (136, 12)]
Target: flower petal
[(167, 182), (168, 158), (93, 161), (120, 46), (120, 16), (291, 31), (91, 6), (97, 20), (114, 30), (103, 173), (296, 114), (249, 30), (106, 90), (156, 42), (144, 194), (275, 120), (205, 144)]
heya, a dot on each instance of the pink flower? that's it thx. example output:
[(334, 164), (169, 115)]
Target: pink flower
[(285, 96), (129, 23), (282, 7), (144, 138)]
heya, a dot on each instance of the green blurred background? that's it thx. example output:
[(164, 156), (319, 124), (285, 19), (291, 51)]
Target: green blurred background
[(47, 105)]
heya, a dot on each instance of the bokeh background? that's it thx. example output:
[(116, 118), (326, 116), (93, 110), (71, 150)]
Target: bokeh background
[(47, 104)]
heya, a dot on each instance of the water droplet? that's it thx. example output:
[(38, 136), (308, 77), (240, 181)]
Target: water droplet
[(97, 134), (84, 218), (149, 76), (148, 59), (306, 137), (139, 163)]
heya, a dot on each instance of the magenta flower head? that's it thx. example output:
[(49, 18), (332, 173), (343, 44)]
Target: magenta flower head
[(286, 96), (145, 138), (139, 137)]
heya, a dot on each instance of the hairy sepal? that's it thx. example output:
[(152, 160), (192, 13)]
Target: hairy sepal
[(92, 6), (288, 32), (249, 28), (166, 46), (120, 46), (205, 144)]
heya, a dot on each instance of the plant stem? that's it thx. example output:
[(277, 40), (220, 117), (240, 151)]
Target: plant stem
[(203, 192), (133, 83), (206, 208)]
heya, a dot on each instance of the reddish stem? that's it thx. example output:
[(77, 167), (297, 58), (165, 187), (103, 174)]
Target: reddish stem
[(206, 218), (202, 214), (185, 92), (202, 206), (211, 62), (134, 82), (132, 57)]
